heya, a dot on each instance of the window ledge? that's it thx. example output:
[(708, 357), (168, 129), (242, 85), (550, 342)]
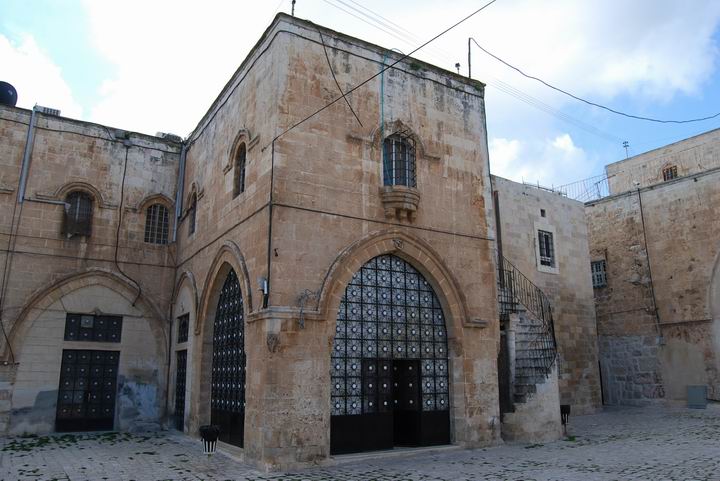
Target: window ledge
[(400, 202)]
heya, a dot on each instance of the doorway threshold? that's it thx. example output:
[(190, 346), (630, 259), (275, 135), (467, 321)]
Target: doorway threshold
[(392, 453)]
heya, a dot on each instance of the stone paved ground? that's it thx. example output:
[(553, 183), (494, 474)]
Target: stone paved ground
[(618, 444)]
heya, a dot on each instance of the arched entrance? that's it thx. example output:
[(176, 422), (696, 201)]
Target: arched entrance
[(227, 397), (389, 361)]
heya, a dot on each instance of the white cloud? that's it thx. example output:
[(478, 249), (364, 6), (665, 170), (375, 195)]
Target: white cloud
[(549, 161), (35, 76)]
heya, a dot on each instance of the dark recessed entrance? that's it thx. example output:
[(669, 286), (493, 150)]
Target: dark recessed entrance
[(389, 362), (88, 387), (228, 364)]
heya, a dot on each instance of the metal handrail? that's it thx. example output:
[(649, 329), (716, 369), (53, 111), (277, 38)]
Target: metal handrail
[(515, 288)]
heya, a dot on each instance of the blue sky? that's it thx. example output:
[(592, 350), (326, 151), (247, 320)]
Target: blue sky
[(156, 65)]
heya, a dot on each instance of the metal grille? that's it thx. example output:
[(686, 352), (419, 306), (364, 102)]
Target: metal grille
[(156, 224), (399, 161), (670, 173), (88, 385), (547, 250), (89, 327), (599, 273), (78, 214), (183, 328), (228, 362), (240, 171), (180, 376), (388, 311)]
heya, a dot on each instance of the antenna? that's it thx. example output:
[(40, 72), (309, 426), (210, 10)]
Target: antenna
[(293, 8), (626, 145), (457, 66)]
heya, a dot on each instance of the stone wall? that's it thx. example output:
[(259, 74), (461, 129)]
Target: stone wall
[(664, 257), (691, 156), (70, 155), (568, 285), (312, 212)]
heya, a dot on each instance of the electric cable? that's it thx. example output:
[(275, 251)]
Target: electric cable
[(327, 57), (300, 122), (594, 104)]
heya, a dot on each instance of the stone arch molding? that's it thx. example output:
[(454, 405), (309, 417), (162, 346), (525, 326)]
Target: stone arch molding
[(243, 136), (44, 297), (376, 140), (65, 189), (187, 278), (229, 256), (415, 251), (155, 199)]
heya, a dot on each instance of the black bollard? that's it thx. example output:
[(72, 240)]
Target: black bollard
[(564, 417), (209, 435)]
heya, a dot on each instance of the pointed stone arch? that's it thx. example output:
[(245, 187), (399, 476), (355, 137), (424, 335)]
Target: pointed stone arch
[(50, 293)]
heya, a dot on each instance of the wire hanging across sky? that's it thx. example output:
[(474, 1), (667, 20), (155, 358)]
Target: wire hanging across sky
[(637, 117)]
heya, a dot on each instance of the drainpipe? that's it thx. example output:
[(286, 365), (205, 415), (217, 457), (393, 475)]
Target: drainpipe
[(26, 157), (180, 189), (647, 258)]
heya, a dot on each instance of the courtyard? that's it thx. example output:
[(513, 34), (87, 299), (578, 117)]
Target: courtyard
[(649, 443)]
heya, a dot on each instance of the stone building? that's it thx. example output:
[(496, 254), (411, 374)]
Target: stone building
[(655, 246), (314, 284)]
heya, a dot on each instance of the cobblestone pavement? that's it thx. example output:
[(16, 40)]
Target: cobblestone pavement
[(618, 444)]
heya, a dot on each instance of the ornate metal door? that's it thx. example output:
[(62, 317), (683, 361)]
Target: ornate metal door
[(389, 317), (228, 363), (88, 387), (180, 376)]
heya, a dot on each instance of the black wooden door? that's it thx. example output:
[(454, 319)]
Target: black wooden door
[(180, 376), (87, 392)]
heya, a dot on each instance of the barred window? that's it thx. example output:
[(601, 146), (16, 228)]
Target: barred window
[(239, 180), (192, 215), (183, 328), (91, 327), (547, 249), (599, 273), (399, 161), (78, 214), (670, 172), (156, 224)]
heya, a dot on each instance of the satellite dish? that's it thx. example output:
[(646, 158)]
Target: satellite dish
[(8, 94)]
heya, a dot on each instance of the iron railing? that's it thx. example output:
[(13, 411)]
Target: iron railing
[(515, 289)]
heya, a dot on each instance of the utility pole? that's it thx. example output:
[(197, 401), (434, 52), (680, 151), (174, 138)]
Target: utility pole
[(292, 12), (626, 145), (469, 72)]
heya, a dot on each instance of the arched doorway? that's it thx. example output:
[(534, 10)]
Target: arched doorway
[(227, 397), (389, 361)]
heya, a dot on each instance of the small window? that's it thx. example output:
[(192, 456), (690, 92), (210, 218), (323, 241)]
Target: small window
[(192, 215), (670, 172), (239, 180), (183, 328), (399, 161), (156, 224), (599, 273), (542, 212), (78, 214), (94, 328), (547, 249)]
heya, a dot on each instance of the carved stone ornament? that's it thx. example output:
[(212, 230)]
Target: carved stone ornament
[(400, 202), (398, 243), (273, 342)]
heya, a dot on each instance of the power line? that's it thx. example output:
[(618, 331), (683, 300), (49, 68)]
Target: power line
[(638, 117), (300, 122), (332, 71), (441, 55)]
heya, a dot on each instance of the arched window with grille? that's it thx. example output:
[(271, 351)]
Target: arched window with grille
[(399, 161), (78, 214), (192, 214), (157, 221), (239, 179)]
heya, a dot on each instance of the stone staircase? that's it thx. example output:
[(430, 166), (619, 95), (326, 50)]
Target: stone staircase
[(531, 351)]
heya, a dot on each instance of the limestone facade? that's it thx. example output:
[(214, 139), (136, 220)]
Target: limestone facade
[(658, 317), (523, 210)]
